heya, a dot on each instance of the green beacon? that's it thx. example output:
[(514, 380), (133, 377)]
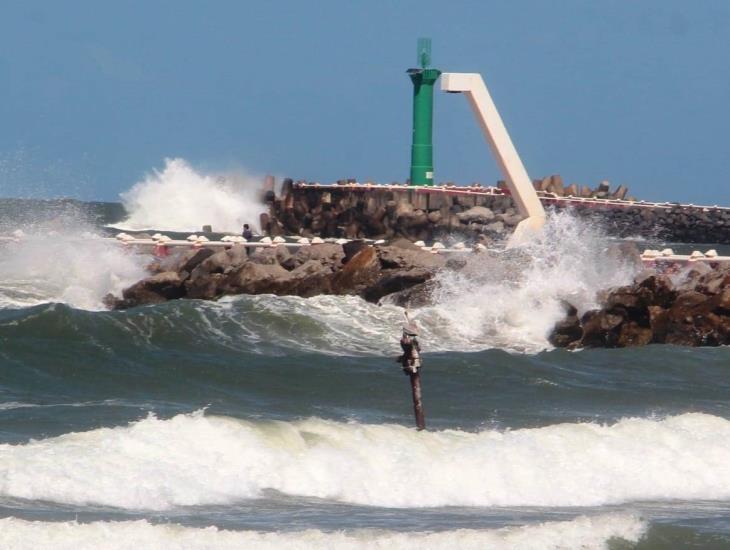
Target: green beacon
[(423, 79)]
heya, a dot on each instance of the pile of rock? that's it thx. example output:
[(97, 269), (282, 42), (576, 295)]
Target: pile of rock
[(386, 213), (354, 268), (377, 212), (554, 184), (692, 310)]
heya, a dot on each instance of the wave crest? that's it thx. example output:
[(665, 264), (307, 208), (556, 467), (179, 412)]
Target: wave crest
[(179, 198), (199, 460)]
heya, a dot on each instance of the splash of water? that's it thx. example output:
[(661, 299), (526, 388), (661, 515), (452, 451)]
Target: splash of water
[(76, 267), (179, 198), (514, 298)]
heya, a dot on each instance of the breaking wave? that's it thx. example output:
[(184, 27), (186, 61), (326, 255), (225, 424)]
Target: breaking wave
[(508, 300), (589, 533), (77, 268), (513, 299), (194, 459), (178, 198)]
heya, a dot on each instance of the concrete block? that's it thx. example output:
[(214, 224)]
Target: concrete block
[(620, 193), (419, 200), (556, 185)]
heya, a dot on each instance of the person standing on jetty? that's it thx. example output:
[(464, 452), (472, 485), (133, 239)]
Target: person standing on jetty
[(247, 233)]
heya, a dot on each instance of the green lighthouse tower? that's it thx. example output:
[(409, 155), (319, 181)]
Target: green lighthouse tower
[(423, 79)]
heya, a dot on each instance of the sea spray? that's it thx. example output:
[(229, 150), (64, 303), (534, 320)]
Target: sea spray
[(75, 267), (509, 300), (513, 299), (179, 198), (195, 459)]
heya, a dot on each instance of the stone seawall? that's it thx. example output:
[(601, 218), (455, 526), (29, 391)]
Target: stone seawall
[(474, 213)]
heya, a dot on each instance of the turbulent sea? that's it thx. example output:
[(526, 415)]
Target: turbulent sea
[(265, 422)]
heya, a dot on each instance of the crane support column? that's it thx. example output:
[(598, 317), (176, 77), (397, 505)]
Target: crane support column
[(510, 164)]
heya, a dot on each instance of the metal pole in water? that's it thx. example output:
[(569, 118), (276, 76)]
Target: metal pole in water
[(417, 403), (411, 361)]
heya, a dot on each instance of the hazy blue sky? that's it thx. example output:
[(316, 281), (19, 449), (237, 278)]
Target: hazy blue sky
[(96, 94)]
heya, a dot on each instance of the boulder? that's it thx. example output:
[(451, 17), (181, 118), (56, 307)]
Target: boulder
[(361, 271), (284, 257), (600, 328), (689, 304), (351, 248), (633, 333), (265, 256), (326, 253), (626, 253), (603, 187), (254, 278), (156, 289), (206, 287), (658, 322), (661, 289), (217, 263), (187, 261), (435, 216), (567, 332), (713, 282), (692, 276), (511, 219), (630, 298), (723, 303), (479, 214), (238, 254), (652, 310), (620, 193), (495, 227), (312, 278), (404, 210), (396, 281), (392, 257), (420, 295), (405, 244)]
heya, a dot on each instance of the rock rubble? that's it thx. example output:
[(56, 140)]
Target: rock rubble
[(356, 269)]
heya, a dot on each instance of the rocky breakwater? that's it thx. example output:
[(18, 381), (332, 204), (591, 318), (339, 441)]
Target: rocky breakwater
[(356, 211), (354, 268), (688, 309), (475, 213)]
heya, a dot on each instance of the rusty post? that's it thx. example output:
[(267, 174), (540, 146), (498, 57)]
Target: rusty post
[(417, 403), (411, 362)]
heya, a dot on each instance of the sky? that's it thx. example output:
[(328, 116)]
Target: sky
[(96, 94)]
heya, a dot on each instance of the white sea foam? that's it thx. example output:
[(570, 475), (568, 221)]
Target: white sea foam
[(588, 533), (179, 198), (513, 300), (74, 267), (205, 460), (331, 325), (510, 300)]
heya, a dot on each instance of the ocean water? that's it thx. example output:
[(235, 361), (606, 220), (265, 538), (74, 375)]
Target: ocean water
[(265, 422)]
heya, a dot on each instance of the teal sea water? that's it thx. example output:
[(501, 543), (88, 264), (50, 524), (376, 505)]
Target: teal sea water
[(267, 422)]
